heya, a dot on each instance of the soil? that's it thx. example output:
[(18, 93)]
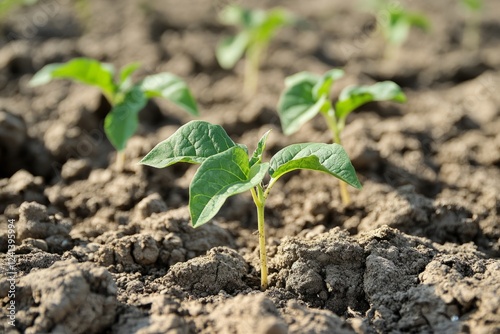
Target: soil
[(101, 251)]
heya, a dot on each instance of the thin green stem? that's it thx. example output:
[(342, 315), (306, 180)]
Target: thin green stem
[(331, 121), (268, 188), (344, 193), (252, 62), (113, 99), (259, 199), (472, 32), (336, 127)]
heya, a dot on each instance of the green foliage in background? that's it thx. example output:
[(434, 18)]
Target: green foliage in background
[(307, 94), (257, 28), (125, 97)]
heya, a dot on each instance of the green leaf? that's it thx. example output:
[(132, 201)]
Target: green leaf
[(327, 158), (397, 28), (219, 177), (355, 96), (297, 104), (236, 15), (84, 70), (324, 85), (474, 5), (265, 26), (398, 32), (126, 73), (122, 121), (261, 146), (302, 77), (231, 49), (7, 6), (172, 88), (193, 143), (258, 27), (419, 21)]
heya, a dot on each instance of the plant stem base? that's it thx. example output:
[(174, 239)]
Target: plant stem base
[(344, 193), (262, 249), (120, 161)]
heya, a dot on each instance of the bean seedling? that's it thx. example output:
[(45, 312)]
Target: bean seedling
[(6, 6), (472, 36), (126, 98), (227, 169), (258, 27), (307, 94), (395, 22)]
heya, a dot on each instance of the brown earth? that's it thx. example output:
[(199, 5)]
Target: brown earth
[(417, 251)]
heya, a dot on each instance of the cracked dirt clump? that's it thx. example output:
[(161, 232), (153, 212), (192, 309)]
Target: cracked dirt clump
[(56, 299), (102, 189), (164, 317), (20, 187), (35, 223), (128, 253), (164, 239), (466, 282), (247, 314), (221, 269), (417, 215), (414, 284), (326, 271), (301, 319)]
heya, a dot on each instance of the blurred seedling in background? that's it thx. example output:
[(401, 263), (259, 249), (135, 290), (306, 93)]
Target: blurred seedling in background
[(257, 28), (394, 22), (126, 99), (307, 94), (6, 6), (472, 33), (227, 169)]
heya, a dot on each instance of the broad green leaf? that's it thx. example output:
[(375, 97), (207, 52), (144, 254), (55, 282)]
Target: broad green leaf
[(126, 73), (398, 32), (301, 77), (324, 85), (172, 88), (474, 5), (236, 15), (231, 49), (84, 70), (355, 96), (327, 158), (193, 143), (122, 121), (219, 177), (419, 21), (297, 104), (253, 19), (272, 20), (400, 22), (258, 27), (6, 6), (261, 146)]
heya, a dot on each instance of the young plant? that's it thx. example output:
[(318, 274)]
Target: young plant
[(258, 27), (126, 98), (227, 169), (6, 6), (472, 34), (307, 94), (395, 22)]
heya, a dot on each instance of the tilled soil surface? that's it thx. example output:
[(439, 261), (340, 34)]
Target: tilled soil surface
[(101, 251)]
